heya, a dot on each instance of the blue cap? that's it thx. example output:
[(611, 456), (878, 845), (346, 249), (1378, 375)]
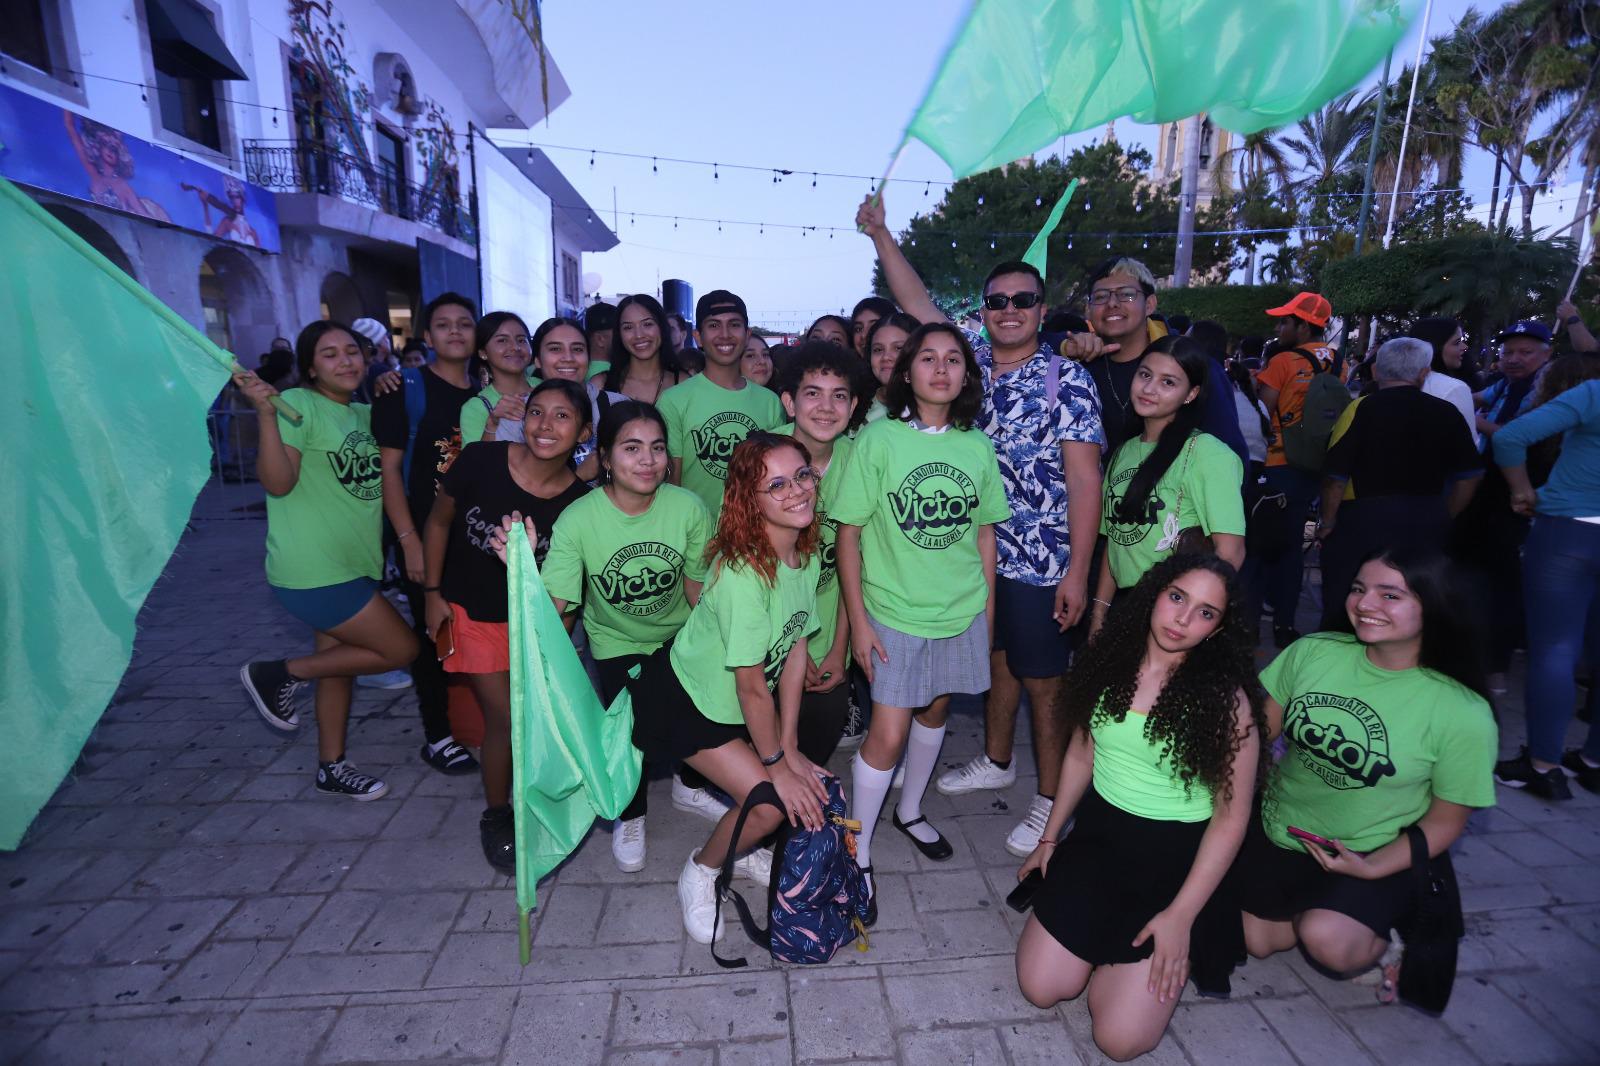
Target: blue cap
[(1526, 328)]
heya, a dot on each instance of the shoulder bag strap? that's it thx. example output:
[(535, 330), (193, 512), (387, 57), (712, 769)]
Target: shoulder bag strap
[(764, 793)]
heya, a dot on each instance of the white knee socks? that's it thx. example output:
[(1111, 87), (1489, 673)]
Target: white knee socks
[(922, 756), (869, 787)]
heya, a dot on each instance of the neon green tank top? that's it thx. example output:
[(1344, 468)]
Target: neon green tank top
[(1131, 774)]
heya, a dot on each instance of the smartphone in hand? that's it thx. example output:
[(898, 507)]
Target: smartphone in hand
[(1021, 897), (444, 639), (1311, 838)]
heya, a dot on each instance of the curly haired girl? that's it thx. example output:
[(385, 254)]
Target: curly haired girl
[(1165, 718)]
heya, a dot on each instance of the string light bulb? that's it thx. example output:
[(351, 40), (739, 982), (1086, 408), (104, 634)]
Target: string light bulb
[(1038, 201), (653, 168), (980, 201), (591, 159), (715, 174)]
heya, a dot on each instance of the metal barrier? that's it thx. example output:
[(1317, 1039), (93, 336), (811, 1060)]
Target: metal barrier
[(232, 493)]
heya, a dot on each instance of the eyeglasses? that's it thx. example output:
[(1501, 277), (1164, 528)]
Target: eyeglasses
[(786, 488), (1101, 297), (997, 301)]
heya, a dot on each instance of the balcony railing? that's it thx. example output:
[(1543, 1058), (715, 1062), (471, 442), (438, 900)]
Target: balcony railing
[(297, 166)]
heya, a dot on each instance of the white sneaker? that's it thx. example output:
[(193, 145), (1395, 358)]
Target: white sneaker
[(697, 801), (976, 776), (627, 844), (697, 895), (1024, 837), (392, 679), (756, 866)]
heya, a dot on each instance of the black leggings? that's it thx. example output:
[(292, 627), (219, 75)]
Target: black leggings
[(613, 679)]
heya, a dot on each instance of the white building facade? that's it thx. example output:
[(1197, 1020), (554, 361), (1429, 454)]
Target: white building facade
[(258, 164)]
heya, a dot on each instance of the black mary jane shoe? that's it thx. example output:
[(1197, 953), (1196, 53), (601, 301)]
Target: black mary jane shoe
[(872, 899), (938, 851)]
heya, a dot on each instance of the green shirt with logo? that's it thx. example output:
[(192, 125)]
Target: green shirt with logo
[(919, 499), (627, 571), (705, 422), (1369, 749), (328, 528), (828, 578), (742, 621), (1208, 476)]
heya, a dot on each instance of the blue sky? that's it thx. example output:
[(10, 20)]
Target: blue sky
[(822, 86)]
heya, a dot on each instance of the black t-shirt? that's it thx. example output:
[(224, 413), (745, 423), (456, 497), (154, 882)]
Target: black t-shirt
[(1403, 442), (438, 436), (1114, 382), (480, 483)]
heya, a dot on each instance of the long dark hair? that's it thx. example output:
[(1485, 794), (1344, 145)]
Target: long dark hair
[(1452, 622), (1437, 331), (898, 397), (1191, 358), (483, 333), (549, 326), (575, 395), (621, 357), (1193, 717)]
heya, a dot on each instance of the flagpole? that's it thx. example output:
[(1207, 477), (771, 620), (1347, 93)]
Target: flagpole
[(1405, 133)]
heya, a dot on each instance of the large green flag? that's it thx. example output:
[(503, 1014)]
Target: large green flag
[(1022, 73), (106, 446), (572, 759)]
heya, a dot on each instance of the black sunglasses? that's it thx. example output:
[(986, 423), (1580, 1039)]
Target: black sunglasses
[(997, 301)]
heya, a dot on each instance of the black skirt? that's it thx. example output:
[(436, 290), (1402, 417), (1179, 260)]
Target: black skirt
[(667, 725), (1114, 872), (1278, 883)]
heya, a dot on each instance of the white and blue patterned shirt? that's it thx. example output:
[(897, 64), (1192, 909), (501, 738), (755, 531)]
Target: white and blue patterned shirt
[(1033, 545)]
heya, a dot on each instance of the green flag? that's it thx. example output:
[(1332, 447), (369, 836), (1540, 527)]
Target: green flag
[(106, 437), (572, 759), (1022, 73), (1038, 252)]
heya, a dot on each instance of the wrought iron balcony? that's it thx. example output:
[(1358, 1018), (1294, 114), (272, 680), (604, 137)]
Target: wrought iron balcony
[(299, 166)]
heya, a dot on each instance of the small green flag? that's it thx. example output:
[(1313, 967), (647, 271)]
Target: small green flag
[(572, 760), (99, 483), (1022, 73), (1038, 252)]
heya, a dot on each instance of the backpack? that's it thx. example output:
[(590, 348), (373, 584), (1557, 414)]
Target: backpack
[(817, 898), (1305, 440), (416, 391)]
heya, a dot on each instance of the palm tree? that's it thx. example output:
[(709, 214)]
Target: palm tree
[(1264, 175), (1327, 142), (1491, 278), (1280, 265)]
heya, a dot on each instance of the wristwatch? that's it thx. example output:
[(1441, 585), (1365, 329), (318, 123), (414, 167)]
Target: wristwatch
[(1572, 320)]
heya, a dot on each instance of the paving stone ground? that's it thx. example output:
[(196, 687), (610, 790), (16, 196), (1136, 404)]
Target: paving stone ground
[(187, 898)]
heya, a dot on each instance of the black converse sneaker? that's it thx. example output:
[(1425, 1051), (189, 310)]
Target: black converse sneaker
[(272, 690), (340, 778), (448, 757), (497, 831)]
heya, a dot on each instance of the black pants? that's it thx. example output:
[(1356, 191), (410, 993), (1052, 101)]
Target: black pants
[(613, 679), (427, 675), (1488, 539)]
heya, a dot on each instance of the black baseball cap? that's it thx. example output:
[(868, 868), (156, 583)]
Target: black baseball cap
[(718, 302)]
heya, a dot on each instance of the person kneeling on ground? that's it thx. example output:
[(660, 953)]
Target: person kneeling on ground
[(1165, 719)]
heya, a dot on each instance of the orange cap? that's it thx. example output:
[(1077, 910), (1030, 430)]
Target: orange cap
[(1305, 305)]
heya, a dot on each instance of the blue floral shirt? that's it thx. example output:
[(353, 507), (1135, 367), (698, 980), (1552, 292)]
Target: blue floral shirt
[(1033, 546)]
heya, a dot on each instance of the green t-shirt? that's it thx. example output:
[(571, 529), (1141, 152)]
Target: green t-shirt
[(1210, 477), (328, 528), (1369, 749), (828, 578), (742, 621), (705, 422), (626, 571), (475, 414), (1132, 774), (919, 499)]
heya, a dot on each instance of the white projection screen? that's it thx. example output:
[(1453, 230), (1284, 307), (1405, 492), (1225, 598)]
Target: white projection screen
[(514, 238)]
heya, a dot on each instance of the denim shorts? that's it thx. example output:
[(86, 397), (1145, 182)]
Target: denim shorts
[(329, 606)]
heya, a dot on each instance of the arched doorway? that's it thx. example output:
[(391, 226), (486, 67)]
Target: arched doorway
[(236, 304), (341, 300), (93, 234)]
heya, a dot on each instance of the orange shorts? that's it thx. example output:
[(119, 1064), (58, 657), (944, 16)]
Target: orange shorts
[(481, 647)]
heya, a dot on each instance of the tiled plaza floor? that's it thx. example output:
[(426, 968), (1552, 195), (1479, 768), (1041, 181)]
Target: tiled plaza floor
[(187, 898)]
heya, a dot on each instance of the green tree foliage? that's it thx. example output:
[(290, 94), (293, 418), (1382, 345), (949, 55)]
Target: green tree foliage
[(1485, 279), (1241, 309), (993, 216)]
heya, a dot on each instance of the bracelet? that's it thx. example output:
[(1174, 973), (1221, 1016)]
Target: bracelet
[(774, 759), (408, 533), (1572, 320), (1048, 843), (1103, 603), (430, 588)]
